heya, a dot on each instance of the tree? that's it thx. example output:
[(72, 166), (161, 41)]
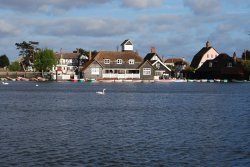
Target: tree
[(27, 51), (4, 61), (14, 66), (189, 71), (246, 67), (45, 60), (246, 55)]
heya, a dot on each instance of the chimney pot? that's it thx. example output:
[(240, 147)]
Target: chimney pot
[(153, 50)]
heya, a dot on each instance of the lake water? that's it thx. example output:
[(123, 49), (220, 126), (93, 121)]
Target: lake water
[(133, 124)]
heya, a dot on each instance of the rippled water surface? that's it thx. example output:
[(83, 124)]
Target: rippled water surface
[(155, 124)]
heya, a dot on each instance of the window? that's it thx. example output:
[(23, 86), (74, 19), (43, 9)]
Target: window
[(95, 71), (207, 55), (131, 61), (229, 64), (158, 65), (146, 71), (106, 61), (119, 61), (210, 64)]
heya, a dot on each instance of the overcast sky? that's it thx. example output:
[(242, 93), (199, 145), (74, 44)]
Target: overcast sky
[(177, 28)]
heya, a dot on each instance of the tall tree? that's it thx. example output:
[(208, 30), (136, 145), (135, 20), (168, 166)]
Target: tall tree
[(246, 67), (45, 60), (4, 61), (246, 55), (27, 51)]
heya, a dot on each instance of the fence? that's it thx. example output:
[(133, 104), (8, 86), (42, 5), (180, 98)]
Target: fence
[(19, 74)]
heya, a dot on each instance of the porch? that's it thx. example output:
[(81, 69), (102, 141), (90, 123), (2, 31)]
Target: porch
[(121, 74)]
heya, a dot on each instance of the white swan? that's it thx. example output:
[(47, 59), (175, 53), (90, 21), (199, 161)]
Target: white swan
[(101, 93), (5, 83), (37, 85)]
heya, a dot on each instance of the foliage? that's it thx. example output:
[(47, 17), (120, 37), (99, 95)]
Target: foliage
[(45, 60), (246, 55), (4, 61), (246, 66), (85, 52), (27, 51), (14, 66), (189, 69)]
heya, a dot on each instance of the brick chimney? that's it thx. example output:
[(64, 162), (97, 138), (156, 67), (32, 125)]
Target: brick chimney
[(153, 50), (208, 44), (90, 55)]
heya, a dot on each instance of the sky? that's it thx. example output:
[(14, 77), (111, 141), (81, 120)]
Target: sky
[(176, 28)]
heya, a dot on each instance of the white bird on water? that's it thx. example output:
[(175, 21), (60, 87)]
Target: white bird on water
[(5, 83), (101, 93), (37, 85)]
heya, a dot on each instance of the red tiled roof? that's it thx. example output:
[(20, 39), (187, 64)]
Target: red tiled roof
[(113, 55), (174, 60), (67, 55)]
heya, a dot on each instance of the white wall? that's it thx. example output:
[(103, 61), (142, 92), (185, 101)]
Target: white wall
[(128, 47), (209, 55)]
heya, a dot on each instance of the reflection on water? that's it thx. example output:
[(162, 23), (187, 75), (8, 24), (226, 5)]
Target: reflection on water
[(159, 124)]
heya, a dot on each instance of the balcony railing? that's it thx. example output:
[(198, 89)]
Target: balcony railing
[(121, 76)]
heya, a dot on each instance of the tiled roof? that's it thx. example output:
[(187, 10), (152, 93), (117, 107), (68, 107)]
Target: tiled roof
[(113, 56), (197, 58), (67, 55), (176, 61)]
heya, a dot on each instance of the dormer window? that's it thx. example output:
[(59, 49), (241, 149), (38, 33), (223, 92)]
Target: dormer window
[(106, 61), (229, 64), (119, 61), (210, 64), (131, 61)]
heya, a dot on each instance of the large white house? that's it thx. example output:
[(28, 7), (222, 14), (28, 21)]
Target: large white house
[(206, 53), (67, 63)]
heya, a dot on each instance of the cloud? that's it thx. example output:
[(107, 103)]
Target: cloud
[(203, 7), (142, 3), (7, 29), (47, 6), (84, 26)]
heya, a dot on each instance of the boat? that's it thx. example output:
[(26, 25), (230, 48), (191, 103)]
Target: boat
[(165, 80), (203, 80), (180, 80), (190, 80), (91, 80), (239, 81), (81, 80)]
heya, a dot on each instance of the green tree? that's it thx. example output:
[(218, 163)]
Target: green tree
[(45, 60), (4, 61), (28, 51), (246, 55), (14, 66), (246, 67)]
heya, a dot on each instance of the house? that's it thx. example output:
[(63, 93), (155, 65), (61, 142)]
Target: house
[(222, 67), (206, 53), (127, 45), (178, 64), (114, 64), (161, 70), (67, 64)]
